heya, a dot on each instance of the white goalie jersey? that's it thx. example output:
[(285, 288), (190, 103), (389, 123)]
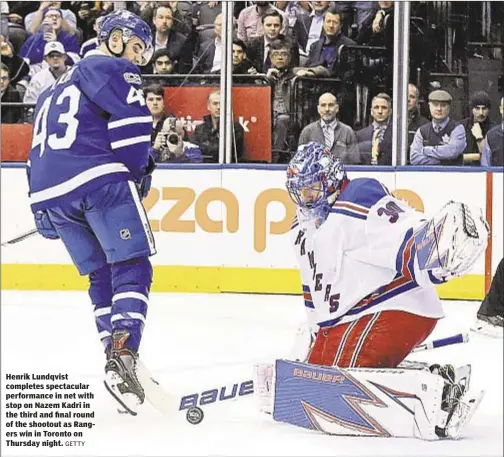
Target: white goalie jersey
[(362, 259)]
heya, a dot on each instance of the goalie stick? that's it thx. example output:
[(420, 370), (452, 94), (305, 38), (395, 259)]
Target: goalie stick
[(22, 237), (167, 403)]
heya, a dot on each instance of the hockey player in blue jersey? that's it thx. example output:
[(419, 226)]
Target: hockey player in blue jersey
[(88, 170)]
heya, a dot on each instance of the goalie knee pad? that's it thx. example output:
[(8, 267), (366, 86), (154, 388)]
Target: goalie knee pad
[(100, 292), (131, 281)]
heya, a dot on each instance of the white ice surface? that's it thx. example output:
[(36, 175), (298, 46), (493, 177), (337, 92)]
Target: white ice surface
[(195, 342)]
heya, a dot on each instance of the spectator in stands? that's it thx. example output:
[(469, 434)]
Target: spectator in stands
[(166, 36), (309, 28), (34, 21), (322, 60), (10, 114), (379, 30), (33, 49), (493, 152), (154, 97), (415, 119), (210, 54), (250, 21), (442, 141), (280, 74), (55, 56), (206, 135), (172, 147), (18, 68), (375, 140), (162, 62), (241, 63), (338, 137), (477, 126), (258, 48), (92, 43)]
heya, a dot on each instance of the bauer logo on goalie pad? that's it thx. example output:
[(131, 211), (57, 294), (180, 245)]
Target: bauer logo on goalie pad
[(218, 394)]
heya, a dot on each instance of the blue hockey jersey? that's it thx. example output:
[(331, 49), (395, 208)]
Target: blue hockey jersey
[(91, 127)]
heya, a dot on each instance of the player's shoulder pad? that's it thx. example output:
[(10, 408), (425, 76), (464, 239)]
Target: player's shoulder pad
[(100, 68), (364, 192)]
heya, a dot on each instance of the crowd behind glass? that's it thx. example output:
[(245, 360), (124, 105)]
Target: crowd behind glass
[(329, 65)]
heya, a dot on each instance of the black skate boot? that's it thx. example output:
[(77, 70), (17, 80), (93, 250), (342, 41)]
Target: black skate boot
[(120, 374)]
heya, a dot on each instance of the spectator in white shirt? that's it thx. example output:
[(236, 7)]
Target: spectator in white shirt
[(55, 56)]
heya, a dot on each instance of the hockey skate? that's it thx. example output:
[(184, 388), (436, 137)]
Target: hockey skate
[(489, 325), (120, 374), (458, 404)]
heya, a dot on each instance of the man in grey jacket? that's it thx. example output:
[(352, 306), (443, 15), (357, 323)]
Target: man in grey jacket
[(338, 137)]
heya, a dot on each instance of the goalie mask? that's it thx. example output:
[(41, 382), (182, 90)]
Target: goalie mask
[(130, 25), (314, 177)]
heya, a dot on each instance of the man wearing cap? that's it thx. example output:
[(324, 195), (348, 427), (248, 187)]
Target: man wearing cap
[(55, 56), (442, 141), (33, 48), (477, 126), (493, 151)]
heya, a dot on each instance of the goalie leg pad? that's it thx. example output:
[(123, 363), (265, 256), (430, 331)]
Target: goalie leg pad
[(361, 402)]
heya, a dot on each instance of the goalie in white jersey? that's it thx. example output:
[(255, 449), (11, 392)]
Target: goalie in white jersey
[(369, 262)]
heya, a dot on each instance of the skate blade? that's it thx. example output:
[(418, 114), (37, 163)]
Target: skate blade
[(128, 402), (469, 405), (486, 329)]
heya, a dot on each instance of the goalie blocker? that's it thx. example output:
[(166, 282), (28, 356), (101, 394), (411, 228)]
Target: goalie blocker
[(399, 402)]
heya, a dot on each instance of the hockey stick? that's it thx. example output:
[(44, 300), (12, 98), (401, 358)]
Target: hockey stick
[(22, 237), (455, 339)]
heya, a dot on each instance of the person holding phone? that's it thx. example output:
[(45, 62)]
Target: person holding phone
[(52, 23)]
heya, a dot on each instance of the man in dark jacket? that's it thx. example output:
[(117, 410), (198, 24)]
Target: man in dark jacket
[(323, 58), (18, 68), (166, 36), (258, 48), (477, 126), (206, 135), (10, 115)]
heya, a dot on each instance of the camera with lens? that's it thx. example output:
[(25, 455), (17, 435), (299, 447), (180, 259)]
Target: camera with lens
[(171, 136)]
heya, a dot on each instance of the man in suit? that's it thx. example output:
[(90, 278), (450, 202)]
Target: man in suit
[(375, 140), (339, 138), (258, 48), (179, 45), (308, 27), (323, 58), (210, 54)]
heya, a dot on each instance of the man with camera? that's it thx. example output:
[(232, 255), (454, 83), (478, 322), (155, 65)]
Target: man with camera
[(167, 137)]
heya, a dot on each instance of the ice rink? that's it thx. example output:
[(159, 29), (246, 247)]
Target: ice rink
[(195, 342)]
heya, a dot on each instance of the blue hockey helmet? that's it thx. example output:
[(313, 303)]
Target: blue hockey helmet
[(130, 25), (314, 175)]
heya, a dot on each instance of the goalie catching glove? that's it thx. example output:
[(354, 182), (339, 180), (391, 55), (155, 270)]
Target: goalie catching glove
[(450, 242)]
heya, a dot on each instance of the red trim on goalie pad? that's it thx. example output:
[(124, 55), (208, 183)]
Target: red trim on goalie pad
[(380, 340)]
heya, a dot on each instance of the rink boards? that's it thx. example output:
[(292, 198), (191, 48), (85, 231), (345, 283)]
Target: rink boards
[(225, 229)]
